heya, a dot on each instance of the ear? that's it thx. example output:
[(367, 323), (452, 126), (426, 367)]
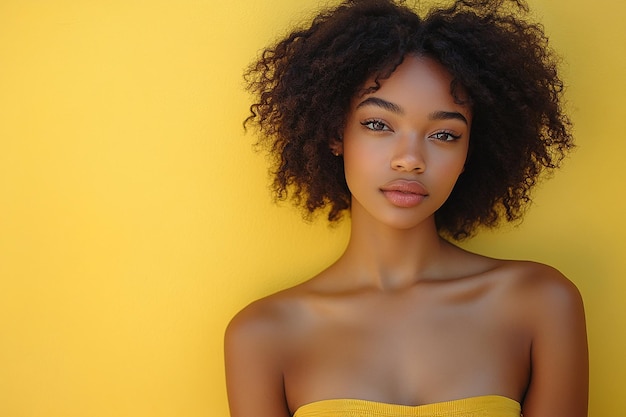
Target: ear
[(336, 146)]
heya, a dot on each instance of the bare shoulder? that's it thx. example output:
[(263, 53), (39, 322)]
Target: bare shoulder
[(551, 307), (523, 284), (255, 344), (267, 318), (539, 286)]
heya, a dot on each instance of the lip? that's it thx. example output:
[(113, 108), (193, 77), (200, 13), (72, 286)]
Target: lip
[(404, 193)]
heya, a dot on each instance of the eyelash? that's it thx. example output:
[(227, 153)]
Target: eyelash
[(451, 137), (382, 127), (369, 124)]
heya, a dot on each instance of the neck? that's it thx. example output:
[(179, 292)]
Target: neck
[(392, 258)]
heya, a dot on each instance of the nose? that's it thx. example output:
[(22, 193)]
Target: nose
[(408, 155)]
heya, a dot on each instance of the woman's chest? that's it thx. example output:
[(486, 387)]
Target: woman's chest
[(407, 353)]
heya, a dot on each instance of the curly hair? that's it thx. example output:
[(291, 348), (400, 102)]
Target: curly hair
[(305, 83)]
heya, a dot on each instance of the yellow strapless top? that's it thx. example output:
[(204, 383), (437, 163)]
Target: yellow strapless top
[(483, 406)]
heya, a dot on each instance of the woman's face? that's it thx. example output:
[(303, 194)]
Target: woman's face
[(405, 144)]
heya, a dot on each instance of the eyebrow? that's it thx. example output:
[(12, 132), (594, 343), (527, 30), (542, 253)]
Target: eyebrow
[(379, 102), (447, 115), (394, 108)]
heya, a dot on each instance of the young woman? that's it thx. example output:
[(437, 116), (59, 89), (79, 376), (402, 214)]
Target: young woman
[(423, 129)]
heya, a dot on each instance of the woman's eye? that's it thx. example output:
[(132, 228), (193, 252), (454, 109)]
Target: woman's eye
[(377, 125), (445, 136)]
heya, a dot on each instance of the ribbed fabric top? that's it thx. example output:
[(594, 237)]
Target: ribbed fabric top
[(483, 406)]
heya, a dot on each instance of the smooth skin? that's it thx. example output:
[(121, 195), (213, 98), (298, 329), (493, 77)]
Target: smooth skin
[(403, 316)]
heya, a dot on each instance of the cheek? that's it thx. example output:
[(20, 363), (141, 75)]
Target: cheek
[(451, 168), (357, 156), (360, 165), (458, 163), (353, 168), (452, 160)]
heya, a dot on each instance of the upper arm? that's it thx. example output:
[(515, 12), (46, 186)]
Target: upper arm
[(560, 369), (254, 378)]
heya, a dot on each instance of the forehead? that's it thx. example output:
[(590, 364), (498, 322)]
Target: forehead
[(420, 81)]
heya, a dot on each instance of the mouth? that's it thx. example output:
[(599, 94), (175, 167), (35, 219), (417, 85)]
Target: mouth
[(405, 187), (404, 193)]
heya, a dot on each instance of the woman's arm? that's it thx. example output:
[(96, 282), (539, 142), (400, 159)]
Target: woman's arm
[(254, 378), (560, 365)]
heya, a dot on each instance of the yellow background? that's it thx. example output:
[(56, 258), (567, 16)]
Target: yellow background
[(135, 218)]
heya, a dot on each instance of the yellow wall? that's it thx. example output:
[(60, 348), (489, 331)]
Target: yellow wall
[(135, 219)]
